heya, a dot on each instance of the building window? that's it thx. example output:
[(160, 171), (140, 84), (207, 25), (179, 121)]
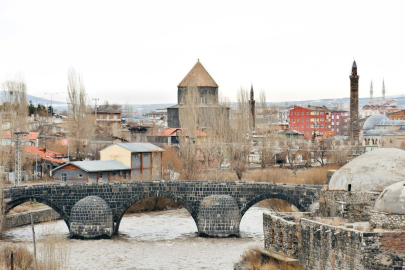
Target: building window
[(101, 176), (307, 113), (322, 119), (321, 126), (307, 119), (322, 113), (307, 126), (302, 119), (80, 175), (100, 116), (302, 126), (298, 120), (63, 177), (307, 132), (108, 116), (115, 117), (302, 113)]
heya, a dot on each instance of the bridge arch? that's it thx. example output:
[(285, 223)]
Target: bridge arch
[(273, 195), (10, 205), (124, 207)]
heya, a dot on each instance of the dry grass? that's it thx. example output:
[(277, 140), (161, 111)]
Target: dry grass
[(257, 262), (278, 205), (314, 176), (153, 204), (27, 206), (23, 258)]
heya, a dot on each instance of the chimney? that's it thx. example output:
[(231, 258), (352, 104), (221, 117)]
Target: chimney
[(309, 106)]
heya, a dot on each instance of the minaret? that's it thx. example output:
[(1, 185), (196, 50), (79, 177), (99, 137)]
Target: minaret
[(371, 91), (383, 91), (354, 104), (252, 109)]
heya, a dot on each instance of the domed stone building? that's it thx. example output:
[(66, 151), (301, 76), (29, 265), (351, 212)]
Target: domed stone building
[(355, 187), (378, 131)]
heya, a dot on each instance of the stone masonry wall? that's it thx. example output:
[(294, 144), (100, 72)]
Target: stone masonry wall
[(325, 247), (356, 206), (24, 218), (387, 221)]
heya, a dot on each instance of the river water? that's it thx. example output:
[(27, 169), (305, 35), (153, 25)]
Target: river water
[(153, 240)]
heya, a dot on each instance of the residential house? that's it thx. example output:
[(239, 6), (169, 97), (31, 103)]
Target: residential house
[(107, 116), (92, 171), (45, 160), (143, 159)]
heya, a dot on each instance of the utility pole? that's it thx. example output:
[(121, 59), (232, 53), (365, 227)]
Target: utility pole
[(17, 180), (51, 102), (95, 107)]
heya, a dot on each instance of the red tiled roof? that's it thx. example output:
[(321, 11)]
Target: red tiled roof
[(171, 132), (30, 136), (44, 154)]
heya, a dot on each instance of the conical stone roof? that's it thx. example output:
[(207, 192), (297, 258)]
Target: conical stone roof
[(198, 76)]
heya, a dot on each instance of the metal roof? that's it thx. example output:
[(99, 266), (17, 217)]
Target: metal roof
[(97, 165), (138, 147)]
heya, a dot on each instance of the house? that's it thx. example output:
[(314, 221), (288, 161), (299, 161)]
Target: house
[(46, 160), (92, 171), (29, 139), (143, 159), (107, 116), (399, 115)]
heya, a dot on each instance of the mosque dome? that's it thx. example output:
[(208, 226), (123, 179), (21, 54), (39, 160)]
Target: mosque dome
[(372, 171), (392, 199), (374, 120)]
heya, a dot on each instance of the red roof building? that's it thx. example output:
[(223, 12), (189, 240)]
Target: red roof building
[(310, 120), (45, 154)]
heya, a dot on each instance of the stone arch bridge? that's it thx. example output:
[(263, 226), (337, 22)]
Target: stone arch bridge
[(95, 209)]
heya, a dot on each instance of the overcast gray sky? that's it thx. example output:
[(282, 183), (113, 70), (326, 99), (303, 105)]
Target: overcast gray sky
[(138, 51)]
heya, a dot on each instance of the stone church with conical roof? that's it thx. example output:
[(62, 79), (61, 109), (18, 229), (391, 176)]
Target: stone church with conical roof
[(197, 94)]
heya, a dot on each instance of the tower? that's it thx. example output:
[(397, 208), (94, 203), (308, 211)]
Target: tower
[(252, 109), (371, 91), (354, 104), (198, 104), (383, 91)]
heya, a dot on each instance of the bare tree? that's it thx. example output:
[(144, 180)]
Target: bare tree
[(321, 150), (80, 120), (15, 117), (240, 145)]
